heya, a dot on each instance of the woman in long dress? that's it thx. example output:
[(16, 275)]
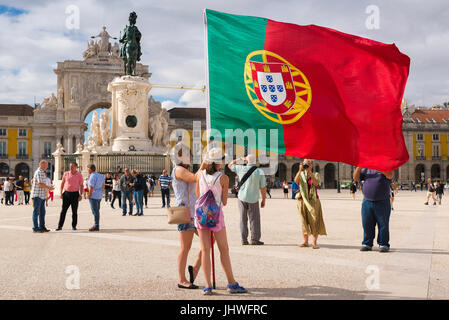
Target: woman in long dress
[(308, 203)]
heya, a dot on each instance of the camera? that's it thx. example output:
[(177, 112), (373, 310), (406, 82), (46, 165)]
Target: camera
[(305, 166)]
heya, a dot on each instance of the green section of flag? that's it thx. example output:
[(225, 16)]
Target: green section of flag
[(230, 38)]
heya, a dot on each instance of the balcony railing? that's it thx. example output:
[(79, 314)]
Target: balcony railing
[(420, 158), (47, 156), (3, 156), (436, 157), (22, 156)]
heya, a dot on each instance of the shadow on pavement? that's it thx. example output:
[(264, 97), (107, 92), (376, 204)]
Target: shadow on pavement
[(318, 293), (392, 250)]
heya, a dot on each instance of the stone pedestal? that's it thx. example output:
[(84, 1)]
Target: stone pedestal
[(130, 114)]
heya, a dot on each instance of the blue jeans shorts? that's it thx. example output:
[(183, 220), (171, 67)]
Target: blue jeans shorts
[(187, 226)]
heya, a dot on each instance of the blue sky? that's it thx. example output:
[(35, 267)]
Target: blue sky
[(173, 39)]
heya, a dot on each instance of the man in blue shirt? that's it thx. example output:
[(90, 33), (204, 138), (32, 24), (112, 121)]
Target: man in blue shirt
[(164, 183), (96, 188), (376, 207)]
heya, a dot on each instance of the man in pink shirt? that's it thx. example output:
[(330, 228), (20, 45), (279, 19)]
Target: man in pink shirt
[(71, 194)]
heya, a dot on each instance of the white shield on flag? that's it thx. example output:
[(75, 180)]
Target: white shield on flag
[(272, 87)]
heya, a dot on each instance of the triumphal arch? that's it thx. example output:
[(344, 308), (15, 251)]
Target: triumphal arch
[(81, 87)]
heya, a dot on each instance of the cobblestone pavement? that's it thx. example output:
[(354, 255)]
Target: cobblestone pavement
[(135, 257)]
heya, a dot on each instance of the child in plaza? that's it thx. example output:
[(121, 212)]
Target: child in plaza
[(212, 179)]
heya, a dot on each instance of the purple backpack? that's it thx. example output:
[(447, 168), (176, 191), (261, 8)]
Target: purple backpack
[(207, 212)]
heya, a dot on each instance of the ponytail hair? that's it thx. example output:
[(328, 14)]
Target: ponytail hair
[(211, 168)]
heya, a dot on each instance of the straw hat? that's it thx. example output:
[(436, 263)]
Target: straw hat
[(215, 155)]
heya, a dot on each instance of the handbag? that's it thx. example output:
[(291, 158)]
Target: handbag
[(180, 214)]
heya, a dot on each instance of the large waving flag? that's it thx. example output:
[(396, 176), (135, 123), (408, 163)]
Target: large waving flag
[(330, 95)]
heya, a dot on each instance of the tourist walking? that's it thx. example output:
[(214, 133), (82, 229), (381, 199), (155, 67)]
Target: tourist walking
[(19, 189), (96, 189), (146, 191), (353, 189), (212, 179), (26, 190), (309, 204), (108, 187), (152, 181), (8, 189), (117, 194), (127, 191), (71, 194), (164, 183), (285, 188), (413, 186), (184, 186), (430, 192), (138, 184), (268, 188), (86, 187), (295, 189), (439, 191), (376, 207), (252, 181), (39, 195)]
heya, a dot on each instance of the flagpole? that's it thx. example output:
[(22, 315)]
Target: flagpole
[(169, 86), (206, 61)]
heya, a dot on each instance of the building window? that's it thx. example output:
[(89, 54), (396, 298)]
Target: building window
[(420, 137), (436, 137), (22, 148), (47, 148), (436, 150), (3, 150), (2, 132), (420, 150), (22, 132)]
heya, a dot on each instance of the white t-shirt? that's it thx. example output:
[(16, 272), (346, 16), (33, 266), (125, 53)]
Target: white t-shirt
[(85, 184), (116, 185), (6, 186)]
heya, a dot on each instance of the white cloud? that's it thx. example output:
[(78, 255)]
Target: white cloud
[(173, 39)]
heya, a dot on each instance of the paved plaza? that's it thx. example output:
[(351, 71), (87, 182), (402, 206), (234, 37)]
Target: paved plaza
[(135, 257)]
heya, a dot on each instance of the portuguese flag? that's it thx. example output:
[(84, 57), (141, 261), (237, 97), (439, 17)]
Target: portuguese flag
[(328, 95)]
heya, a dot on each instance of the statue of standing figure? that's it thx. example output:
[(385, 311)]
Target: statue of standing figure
[(95, 129), (130, 51), (104, 128)]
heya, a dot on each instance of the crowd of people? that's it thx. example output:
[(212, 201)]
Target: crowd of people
[(17, 191), (132, 189)]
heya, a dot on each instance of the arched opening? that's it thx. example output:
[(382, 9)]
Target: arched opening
[(281, 173), (22, 169), (329, 176), (317, 168), (447, 173), (420, 170), (435, 171), (295, 169), (100, 108), (4, 169)]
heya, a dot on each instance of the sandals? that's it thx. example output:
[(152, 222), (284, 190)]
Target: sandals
[(207, 291), (236, 288), (192, 286), (303, 245)]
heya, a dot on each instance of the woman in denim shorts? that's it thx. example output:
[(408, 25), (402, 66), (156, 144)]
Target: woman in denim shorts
[(184, 185)]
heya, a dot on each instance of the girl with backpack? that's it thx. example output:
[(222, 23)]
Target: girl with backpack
[(212, 192)]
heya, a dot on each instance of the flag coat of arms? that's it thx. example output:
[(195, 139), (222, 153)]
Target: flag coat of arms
[(330, 95)]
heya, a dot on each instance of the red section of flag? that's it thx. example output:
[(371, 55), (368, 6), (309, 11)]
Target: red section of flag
[(357, 87)]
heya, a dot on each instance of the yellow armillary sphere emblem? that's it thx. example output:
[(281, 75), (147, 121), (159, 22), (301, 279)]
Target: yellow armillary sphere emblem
[(278, 89)]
